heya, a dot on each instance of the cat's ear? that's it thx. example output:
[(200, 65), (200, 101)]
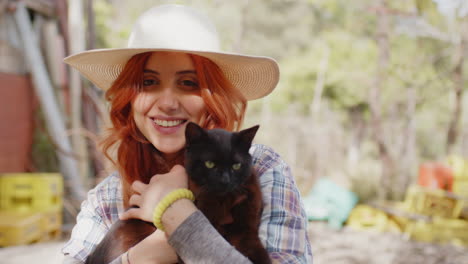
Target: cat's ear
[(193, 132), (246, 136)]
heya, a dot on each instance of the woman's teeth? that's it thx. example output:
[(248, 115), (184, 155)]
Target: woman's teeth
[(165, 123)]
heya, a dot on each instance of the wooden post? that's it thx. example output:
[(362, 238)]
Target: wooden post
[(375, 100), (453, 132), (320, 83), (77, 44), (44, 91)]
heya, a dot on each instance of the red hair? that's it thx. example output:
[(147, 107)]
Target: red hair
[(137, 158)]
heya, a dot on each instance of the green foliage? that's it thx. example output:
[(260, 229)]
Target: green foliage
[(43, 153), (346, 77), (428, 10), (102, 12), (277, 29), (424, 5)]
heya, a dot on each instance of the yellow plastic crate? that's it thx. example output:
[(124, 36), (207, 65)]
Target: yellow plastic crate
[(433, 202), (399, 214), (19, 228), (440, 230), (51, 221), (459, 167), (460, 187), (453, 231), (364, 217), (30, 192), (18, 191), (51, 225), (464, 212), (420, 231)]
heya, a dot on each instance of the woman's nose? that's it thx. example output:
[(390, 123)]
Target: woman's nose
[(168, 100)]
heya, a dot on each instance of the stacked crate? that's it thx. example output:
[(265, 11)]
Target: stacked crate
[(30, 202), (433, 202), (459, 166), (426, 214), (440, 230), (435, 210), (444, 211)]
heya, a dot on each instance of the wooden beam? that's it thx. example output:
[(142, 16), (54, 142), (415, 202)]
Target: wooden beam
[(77, 44), (45, 7), (44, 91)]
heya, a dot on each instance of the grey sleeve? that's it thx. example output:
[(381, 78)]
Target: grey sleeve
[(197, 241)]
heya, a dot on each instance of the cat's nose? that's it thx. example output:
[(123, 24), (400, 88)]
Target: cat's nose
[(225, 178)]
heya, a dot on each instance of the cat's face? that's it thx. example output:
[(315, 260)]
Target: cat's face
[(218, 160)]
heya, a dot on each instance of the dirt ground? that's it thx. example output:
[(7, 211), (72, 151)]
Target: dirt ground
[(349, 246), (41, 253), (330, 246)]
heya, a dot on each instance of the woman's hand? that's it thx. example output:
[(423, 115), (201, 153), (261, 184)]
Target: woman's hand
[(153, 249), (148, 196)]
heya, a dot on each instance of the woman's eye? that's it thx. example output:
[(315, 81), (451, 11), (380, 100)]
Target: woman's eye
[(149, 82), (189, 84), (236, 166), (209, 164)]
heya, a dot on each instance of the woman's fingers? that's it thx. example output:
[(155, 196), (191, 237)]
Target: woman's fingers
[(129, 214), (139, 187), (147, 196), (135, 199)]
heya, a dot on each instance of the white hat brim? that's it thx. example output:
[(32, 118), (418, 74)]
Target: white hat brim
[(253, 76)]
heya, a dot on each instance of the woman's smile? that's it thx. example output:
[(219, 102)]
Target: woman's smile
[(168, 125)]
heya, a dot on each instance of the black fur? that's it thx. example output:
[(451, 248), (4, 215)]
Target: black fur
[(226, 190)]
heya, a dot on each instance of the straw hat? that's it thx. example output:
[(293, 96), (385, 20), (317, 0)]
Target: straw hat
[(180, 29)]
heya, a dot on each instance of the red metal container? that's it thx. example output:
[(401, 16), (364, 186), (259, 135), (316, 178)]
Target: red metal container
[(435, 175)]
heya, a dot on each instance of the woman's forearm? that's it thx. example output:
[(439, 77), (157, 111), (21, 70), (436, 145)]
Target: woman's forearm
[(197, 241), (154, 249), (176, 214)]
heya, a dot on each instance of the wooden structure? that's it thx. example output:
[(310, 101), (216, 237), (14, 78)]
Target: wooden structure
[(27, 72)]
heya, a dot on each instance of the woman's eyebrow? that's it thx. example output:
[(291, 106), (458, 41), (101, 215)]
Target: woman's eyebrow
[(186, 72), (150, 71)]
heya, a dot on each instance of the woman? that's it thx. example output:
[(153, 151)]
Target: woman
[(172, 73)]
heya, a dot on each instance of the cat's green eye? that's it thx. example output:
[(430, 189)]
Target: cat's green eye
[(236, 166), (209, 164)]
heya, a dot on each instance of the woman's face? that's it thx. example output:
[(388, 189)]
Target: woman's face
[(169, 99)]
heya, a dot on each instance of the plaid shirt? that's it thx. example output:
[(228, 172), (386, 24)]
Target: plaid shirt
[(283, 228)]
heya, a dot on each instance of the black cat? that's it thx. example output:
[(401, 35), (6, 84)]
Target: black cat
[(226, 190)]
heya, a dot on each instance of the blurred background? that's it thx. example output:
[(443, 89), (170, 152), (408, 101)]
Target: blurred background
[(370, 113)]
